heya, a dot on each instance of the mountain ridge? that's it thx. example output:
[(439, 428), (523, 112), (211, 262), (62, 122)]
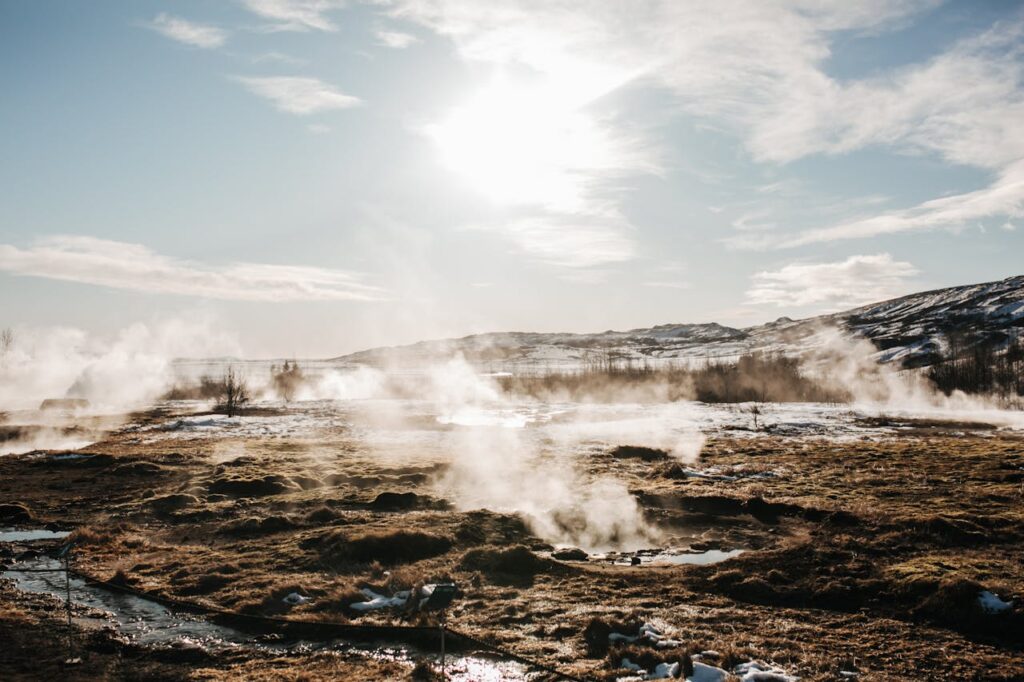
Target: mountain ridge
[(911, 330)]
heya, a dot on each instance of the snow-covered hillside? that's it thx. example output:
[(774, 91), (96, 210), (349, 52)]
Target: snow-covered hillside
[(909, 330)]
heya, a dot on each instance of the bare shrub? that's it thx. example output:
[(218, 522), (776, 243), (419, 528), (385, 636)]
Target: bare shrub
[(287, 379), (235, 393)]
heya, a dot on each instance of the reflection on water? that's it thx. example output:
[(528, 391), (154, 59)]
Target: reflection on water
[(146, 622), (31, 535)]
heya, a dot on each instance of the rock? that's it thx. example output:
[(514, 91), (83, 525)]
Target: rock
[(570, 554)]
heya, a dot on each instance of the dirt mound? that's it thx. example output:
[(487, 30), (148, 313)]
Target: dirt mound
[(388, 501), (15, 513), (513, 566), (138, 469), (761, 509), (170, 503), (252, 487), (255, 526), (400, 547), (484, 527), (638, 452)]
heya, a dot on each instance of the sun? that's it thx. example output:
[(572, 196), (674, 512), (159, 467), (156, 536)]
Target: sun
[(519, 144)]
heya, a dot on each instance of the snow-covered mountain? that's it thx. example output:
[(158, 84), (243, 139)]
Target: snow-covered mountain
[(910, 330)]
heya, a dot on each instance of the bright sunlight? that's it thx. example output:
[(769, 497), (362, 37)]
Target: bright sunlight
[(524, 145)]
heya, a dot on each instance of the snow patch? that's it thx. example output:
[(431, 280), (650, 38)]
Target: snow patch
[(991, 603)]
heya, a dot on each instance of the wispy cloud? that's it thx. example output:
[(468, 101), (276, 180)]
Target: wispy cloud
[(1003, 198), (570, 241), (134, 267), (395, 39), (666, 284), (296, 15), (275, 57), (667, 276), (832, 286), (299, 95), (189, 32), (759, 71)]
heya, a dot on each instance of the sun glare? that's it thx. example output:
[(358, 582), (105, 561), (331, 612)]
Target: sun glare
[(521, 145)]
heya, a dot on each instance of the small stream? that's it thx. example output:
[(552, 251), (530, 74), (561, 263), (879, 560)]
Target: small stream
[(148, 623)]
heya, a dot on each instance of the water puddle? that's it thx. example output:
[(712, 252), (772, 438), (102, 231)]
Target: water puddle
[(149, 623), (665, 557), (32, 535)]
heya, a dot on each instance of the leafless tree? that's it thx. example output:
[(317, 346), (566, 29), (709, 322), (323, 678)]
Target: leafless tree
[(287, 379), (236, 392), (6, 340), (755, 411)]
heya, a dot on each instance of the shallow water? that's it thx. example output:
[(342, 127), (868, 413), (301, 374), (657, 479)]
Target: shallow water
[(667, 557), (32, 535), (711, 556), (149, 623)]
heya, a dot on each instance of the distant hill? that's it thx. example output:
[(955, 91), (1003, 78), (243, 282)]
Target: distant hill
[(910, 330)]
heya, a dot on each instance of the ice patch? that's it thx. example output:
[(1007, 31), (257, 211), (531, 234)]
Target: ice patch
[(647, 633), (662, 671), (991, 603), (376, 601), (702, 672), (294, 599), (757, 671)]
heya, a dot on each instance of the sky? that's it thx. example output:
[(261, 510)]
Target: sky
[(321, 176)]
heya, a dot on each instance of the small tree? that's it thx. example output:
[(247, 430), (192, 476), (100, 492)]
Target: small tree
[(755, 411), (235, 393), (287, 380), (6, 340)]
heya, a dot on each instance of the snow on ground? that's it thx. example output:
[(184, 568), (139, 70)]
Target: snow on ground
[(375, 601), (679, 425), (751, 671), (991, 603)]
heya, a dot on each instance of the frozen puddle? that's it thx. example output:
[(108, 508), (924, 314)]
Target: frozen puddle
[(32, 535), (149, 623)]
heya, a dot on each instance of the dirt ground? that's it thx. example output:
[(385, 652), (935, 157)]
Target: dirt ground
[(862, 557)]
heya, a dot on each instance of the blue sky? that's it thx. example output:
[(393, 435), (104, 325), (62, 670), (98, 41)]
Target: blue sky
[(320, 177)]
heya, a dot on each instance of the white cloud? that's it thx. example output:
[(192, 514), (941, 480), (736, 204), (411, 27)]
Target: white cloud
[(571, 241), (1004, 197), (832, 286), (296, 15), (134, 267), (277, 58), (396, 39), (188, 32), (298, 95), (758, 70), (667, 284), (668, 275)]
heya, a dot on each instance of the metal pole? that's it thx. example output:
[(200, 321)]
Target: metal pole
[(67, 587), (443, 676)]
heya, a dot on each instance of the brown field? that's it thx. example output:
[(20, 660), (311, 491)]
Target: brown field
[(863, 556)]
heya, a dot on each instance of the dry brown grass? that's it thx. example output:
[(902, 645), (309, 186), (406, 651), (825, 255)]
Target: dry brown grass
[(926, 519)]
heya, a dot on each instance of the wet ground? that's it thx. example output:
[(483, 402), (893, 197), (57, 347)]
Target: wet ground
[(834, 545)]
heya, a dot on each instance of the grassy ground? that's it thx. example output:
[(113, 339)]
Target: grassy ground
[(866, 556)]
